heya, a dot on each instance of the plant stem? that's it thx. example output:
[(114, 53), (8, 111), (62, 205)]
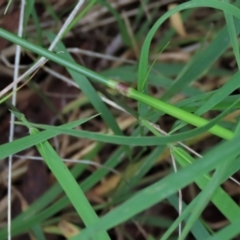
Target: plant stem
[(179, 113), (122, 88)]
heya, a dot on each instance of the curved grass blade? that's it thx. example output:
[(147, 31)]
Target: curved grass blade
[(131, 141), (25, 142), (29, 141), (157, 104), (205, 60)]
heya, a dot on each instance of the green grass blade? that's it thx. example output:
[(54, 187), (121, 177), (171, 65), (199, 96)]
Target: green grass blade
[(198, 230), (220, 94), (29, 6), (120, 22), (231, 213), (49, 8), (88, 89), (233, 35), (184, 215), (205, 196), (29, 141), (220, 197), (163, 188), (217, 97), (38, 232), (79, 16), (191, 105), (38, 26), (179, 113), (69, 184), (31, 218), (157, 104), (131, 141), (36, 213), (56, 58), (206, 60), (18, 145)]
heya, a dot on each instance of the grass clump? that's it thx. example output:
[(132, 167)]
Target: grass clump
[(162, 128)]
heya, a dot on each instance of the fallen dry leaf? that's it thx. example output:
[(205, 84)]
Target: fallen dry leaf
[(176, 22)]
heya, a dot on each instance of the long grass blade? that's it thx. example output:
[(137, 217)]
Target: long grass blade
[(163, 188), (69, 185)]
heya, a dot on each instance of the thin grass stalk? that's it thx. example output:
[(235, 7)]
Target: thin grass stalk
[(41, 60), (123, 89), (11, 131)]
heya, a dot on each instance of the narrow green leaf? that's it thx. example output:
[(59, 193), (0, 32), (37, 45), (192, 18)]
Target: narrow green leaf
[(159, 105), (216, 97), (88, 89), (29, 6), (163, 188), (36, 212), (220, 196), (198, 230), (38, 232), (205, 196), (69, 185), (29, 141), (120, 22), (233, 35)]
